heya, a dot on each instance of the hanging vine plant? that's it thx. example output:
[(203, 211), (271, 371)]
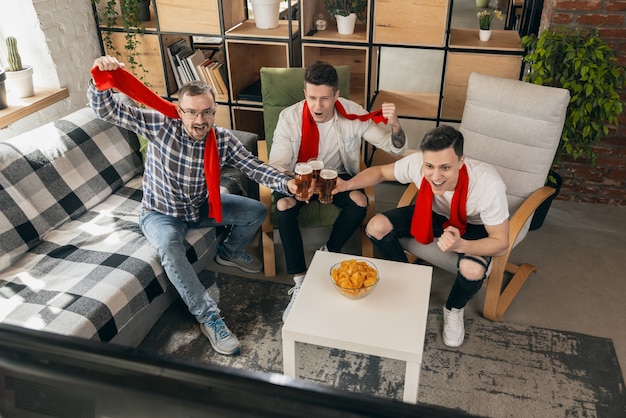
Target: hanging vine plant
[(122, 14)]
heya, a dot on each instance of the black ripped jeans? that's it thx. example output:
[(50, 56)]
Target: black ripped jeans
[(389, 248)]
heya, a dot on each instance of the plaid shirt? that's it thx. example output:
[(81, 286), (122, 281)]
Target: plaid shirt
[(174, 181)]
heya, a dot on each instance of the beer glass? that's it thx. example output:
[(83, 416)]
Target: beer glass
[(317, 166), (328, 180), (304, 175)]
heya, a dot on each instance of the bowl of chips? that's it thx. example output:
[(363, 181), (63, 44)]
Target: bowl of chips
[(354, 278)]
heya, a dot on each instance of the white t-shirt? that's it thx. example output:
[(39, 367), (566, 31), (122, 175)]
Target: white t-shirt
[(327, 150), (486, 195)]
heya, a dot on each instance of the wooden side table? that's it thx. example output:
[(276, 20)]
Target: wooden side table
[(391, 320)]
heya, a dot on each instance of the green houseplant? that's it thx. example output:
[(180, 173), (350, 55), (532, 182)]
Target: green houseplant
[(346, 7), (127, 16), (19, 77), (583, 63)]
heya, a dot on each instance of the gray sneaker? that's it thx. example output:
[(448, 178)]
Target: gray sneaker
[(243, 262), (221, 338)]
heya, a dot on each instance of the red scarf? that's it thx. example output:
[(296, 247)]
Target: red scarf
[(131, 86), (422, 222), (311, 135)]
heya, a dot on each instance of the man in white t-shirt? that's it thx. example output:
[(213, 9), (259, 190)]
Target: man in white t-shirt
[(329, 128), (461, 201)]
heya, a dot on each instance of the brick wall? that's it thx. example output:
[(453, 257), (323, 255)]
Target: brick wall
[(606, 182)]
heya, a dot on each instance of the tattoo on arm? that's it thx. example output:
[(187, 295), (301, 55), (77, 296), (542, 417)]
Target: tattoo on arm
[(398, 139)]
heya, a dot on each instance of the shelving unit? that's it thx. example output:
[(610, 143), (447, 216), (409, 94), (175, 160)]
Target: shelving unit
[(295, 42)]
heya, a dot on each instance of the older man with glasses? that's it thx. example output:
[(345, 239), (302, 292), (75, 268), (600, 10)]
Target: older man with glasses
[(181, 183)]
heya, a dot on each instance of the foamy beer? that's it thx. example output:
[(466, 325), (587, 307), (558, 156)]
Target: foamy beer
[(328, 180), (317, 166), (304, 175)]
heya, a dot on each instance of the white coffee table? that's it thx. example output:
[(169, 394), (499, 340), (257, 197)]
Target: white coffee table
[(390, 322)]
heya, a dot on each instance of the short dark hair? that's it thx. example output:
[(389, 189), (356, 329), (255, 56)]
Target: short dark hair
[(322, 74), (196, 88), (443, 137)]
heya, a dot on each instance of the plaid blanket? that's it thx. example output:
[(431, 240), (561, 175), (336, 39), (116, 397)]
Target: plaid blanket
[(73, 259)]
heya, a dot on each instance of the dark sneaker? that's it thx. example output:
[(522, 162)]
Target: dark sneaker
[(222, 340), (243, 262)]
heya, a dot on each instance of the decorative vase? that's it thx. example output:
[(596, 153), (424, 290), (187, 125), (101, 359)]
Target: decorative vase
[(144, 10), (345, 24), (266, 13), (20, 83), (321, 23), (484, 34), (482, 3)]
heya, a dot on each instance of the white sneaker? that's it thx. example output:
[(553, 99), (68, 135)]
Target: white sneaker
[(453, 328), (294, 293)]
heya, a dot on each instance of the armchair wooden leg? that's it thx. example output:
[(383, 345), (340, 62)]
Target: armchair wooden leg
[(497, 299), (269, 254)]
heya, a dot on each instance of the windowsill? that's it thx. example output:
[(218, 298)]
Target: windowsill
[(20, 108)]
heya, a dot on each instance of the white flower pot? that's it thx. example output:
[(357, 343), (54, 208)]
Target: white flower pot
[(20, 83), (484, 34), (265, 13), (345, 24)]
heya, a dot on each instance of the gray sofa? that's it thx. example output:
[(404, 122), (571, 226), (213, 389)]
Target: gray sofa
[(73, 260)]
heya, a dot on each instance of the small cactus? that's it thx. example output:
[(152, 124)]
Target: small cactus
[(15, 62)]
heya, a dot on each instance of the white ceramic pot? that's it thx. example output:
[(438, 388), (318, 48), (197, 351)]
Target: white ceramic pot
[(20, 83), (265, 13), (345, 24), (484, 34)]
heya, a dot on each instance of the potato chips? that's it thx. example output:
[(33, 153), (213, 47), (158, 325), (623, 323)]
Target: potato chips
[(353, 274)]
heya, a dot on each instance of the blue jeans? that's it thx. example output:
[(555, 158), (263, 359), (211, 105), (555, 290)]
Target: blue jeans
[(167, 235)]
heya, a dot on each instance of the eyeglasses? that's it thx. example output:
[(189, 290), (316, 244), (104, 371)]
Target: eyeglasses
[(192, 114)]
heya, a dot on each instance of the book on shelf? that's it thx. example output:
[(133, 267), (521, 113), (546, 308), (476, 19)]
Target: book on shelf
[(201, 71), (218, 77), (193, 61), (172, 50), (209, 76), (185, 72), (252, 92)]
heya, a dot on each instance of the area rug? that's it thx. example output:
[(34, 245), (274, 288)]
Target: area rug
[(501, 370)]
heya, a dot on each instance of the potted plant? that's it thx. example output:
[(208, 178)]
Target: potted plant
[(19, 77), (580, 61), (484, 23), (346, 12), (127, 15), (266, 13)]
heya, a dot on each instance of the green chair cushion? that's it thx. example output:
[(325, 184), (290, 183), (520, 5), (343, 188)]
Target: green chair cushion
[(282, 87), (312, 215)]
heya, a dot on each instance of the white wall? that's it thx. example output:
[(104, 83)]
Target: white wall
[(59, 38)]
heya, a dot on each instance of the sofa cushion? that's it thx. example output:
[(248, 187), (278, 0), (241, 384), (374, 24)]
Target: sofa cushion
[(56, 173), (91, 276)]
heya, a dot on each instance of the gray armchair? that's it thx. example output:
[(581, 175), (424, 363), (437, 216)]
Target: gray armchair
[(516, 127)]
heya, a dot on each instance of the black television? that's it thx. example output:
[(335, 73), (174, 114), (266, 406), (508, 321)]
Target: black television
[(49, 375)]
